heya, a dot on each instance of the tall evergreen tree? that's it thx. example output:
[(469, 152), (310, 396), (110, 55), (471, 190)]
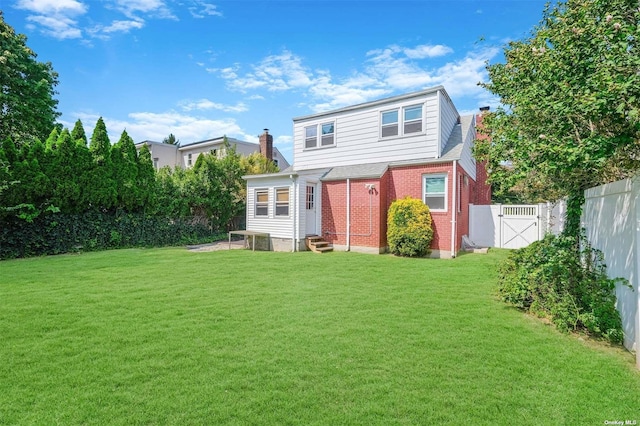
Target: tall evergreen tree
[(103, 189), (146, 180), (78, 135), (125, 173)]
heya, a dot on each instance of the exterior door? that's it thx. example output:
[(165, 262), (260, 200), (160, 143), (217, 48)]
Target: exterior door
[(311, 210)]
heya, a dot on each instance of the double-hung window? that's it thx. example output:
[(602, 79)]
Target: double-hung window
[(390, 123), (282, 202), (320, 135), (262, 202), (413, 119), (435, 192), (401, 121)]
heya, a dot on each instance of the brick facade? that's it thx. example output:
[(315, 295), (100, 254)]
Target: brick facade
[(369, 207)]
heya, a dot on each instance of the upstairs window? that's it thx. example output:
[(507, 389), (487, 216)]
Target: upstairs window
[(389, 123), (262, 202), (282, 202), (311, 137), (413, 119), (189, 158), (435, 192), (326, 133)]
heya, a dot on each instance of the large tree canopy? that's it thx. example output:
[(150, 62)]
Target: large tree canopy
[(27, 106), (571, 102)]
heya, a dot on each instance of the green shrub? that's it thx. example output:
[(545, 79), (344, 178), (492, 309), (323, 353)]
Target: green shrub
[(553, 278), (409, 231)]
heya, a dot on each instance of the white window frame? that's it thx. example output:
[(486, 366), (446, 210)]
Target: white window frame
[(401, 122), (319, 137), (397, 123), (262, 204), (405, 121), (446, 190), (189, 158), (281, 204)]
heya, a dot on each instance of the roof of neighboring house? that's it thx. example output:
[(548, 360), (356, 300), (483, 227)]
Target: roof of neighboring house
[(214, 141), (374, 103)]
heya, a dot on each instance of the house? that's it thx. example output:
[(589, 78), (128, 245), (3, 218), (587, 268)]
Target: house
[(350, 164), (185, 156)]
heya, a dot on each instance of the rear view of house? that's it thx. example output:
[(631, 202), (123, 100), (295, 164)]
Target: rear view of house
[(351, 163)]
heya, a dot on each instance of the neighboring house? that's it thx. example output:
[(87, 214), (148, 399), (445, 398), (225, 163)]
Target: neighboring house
[(185, 156), (350, 164)]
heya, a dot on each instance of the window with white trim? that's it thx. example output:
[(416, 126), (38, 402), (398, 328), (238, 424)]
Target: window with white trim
[(320, 135), (262, 202), (393, 124), (435, 192), (282, 202), (413, 119), (389, 123), (189, 158)]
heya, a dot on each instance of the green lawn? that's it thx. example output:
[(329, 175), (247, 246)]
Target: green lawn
[(167, 336)]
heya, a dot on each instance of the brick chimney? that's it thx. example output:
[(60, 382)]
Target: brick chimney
[(266, 144)]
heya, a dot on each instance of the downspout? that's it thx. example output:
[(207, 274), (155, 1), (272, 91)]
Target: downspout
[(295, 213), (454, 211), (348, 214)]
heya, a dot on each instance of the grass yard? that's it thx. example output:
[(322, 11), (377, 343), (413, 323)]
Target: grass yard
[(167, 336)]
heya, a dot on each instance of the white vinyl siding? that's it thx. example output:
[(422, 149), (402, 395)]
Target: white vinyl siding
[(434, 188), (360, 136), (467, 160), (448, 117)]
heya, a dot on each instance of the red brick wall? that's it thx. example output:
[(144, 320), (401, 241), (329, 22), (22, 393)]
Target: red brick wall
[(481, 190), (396, 183), (366, 215)]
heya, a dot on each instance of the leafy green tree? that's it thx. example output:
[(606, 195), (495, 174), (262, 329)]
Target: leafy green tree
[(27, 104), (171, 140), (103, 188), (571, 96), (146, 179), (78, 135), (256, 164), (124, 159)]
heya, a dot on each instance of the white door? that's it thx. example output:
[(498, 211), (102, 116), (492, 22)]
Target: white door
[(519, 226), (311, 210)]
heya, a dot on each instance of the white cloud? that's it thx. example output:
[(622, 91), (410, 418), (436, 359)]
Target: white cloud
[(43, 7), (59, 27), (150, 8), (117, 27), (202, 9), (427, 51), (157, 126), (206, 104), (55, 17), (387, 71)]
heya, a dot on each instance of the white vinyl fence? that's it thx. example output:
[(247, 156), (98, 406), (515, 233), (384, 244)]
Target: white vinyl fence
[(513, 226), (611, 217)]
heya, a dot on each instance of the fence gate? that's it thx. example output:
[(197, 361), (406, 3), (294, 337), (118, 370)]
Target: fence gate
[(519, 225)]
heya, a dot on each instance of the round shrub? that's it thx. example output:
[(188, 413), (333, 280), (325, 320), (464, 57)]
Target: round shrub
[(409, 231)]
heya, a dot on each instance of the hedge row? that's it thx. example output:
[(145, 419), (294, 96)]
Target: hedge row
[(90, 231)]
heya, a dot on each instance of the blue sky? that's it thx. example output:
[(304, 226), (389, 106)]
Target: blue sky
[(202, 68)]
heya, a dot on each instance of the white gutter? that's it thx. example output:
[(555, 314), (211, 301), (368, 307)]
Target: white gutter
[(294, 235), (348, 214), (454, 210)]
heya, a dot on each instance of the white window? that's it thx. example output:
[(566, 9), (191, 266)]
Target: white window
[(320, 135), (156, 160), (188, 159), (413, 119), (262, 202), (435, 192), (282, 202), (328, 134), (311, 137), (389, 123)]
